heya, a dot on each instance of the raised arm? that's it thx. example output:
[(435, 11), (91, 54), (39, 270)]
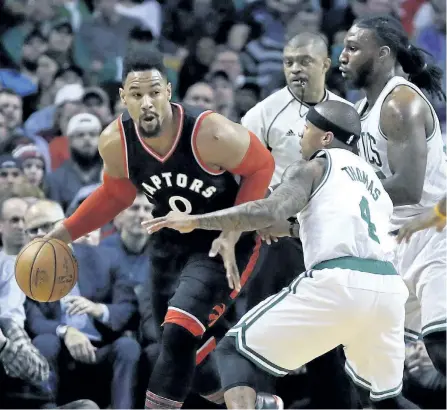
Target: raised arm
[(403, 122), (115, 194)]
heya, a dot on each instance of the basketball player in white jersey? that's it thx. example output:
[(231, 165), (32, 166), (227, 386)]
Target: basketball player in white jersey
[(401, 139), (278, 121), (349, 294)]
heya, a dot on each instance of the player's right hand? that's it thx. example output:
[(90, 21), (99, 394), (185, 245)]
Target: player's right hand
[(224, 245), (426, 220), (181, 222), (79, 346)]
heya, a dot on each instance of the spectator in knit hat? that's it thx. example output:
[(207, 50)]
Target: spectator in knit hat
[(32, 162), (84, 166), (10, 172)]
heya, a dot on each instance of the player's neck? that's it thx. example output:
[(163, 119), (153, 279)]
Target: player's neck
[(374, 89)]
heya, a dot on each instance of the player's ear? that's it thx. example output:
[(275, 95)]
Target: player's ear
[(122, 96), (169, 91), (384, 52), (327, 139), (327, 64)]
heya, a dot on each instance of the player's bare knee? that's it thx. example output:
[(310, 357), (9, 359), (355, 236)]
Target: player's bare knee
[(241, 397)]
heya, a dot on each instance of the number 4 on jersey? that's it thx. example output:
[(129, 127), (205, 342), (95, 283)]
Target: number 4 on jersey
[(366, 216)]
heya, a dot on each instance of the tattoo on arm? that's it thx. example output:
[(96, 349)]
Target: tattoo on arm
[(286, 201)]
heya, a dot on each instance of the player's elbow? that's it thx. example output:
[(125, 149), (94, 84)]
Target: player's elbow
[(269, 166), (409, 194)]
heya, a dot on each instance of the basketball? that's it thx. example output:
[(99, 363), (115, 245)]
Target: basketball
[(46, 270)]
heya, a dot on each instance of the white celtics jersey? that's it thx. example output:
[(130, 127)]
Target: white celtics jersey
[(373, 147), (278, 122), (348, 213)]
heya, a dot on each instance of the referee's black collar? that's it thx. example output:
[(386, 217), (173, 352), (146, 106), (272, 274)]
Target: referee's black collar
[(326, 97)]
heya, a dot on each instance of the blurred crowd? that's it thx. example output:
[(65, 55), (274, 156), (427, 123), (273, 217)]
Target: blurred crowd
[(60, 71)]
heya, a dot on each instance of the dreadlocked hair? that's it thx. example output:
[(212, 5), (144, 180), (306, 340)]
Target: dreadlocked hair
[(413, 60)]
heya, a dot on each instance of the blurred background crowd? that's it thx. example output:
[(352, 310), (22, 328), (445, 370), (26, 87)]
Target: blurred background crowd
[(60, 71)]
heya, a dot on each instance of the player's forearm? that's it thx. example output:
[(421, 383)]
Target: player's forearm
[(242, 218), (402, 192), (106, 202)]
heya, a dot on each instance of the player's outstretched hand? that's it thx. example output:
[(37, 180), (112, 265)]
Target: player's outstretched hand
[(224, 246), (183, 223), (426, 220)]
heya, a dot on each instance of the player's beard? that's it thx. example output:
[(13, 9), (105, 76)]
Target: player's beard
[(363, 76), (152, 133)]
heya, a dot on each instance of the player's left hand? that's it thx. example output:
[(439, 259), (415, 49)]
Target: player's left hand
[(224, 245), (181, 222), (78, 305), (424, 221)]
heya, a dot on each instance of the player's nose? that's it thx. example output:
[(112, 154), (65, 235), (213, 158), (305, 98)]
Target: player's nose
[(147, 104)]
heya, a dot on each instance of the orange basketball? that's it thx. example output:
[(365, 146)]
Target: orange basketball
[(46, 270)]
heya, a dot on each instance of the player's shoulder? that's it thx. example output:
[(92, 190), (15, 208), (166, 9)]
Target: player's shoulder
[(403, 103), (112, 133), (272, 105), (335, 97)]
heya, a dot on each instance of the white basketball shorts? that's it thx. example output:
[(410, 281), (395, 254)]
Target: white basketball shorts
[(358, 303), (422, 262)]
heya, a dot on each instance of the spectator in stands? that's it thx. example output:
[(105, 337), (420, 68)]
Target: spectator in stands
[(47, 67), (98, 102), (201, 95), (60, 42), (23, 80), (196, 64), (11, 105), (228, 61), (10, 172), (84, 166), (32, 163), (246, 97), (45, 119), (224, 89), (87, 325), (131, 243), (103, 37), (19, 358)]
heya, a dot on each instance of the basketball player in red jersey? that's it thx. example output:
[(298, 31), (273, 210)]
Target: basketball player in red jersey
[(185, 160)]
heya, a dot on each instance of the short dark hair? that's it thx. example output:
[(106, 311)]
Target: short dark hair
[(9, 91), (146, 59), (389, 31)]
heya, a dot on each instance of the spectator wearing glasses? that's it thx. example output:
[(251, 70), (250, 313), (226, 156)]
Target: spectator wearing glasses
[(84, 331)]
